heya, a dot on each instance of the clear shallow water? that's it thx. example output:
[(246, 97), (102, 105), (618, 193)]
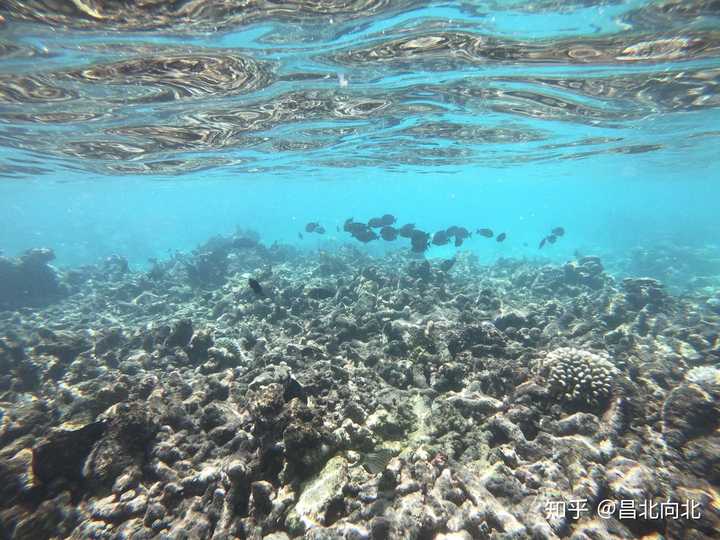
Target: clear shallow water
[(346, 390), (147, 130)]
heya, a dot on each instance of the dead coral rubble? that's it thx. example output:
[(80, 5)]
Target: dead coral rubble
[(359, 398)]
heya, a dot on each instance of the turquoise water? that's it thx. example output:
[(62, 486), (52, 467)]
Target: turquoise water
[(141, 134), (181, 357)]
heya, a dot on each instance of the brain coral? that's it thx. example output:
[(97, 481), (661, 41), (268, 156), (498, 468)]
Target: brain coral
[(579, 376)]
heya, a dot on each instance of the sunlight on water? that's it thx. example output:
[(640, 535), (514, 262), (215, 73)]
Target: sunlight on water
[(395, 92)]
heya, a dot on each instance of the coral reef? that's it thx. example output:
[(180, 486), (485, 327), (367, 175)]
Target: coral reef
[(28, 280), (359, 397)]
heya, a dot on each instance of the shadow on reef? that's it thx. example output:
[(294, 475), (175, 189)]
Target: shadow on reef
[(358, 397)]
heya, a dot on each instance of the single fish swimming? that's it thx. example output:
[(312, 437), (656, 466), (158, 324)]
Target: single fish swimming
[(440, 238), (375, 223), (420, 241), (388, 219), (388, 233), (256, 287), (355, 227), (406, 230), (365, 235)]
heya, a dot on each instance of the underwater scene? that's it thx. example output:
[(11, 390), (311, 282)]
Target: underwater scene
[(359, 269)]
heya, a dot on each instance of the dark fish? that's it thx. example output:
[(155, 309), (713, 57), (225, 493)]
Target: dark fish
[(388, 219), (558, 231), (447, 264), (459, 241), (420, 241), (440, 238), (359, 231), (388, 233), (542, 243), (337, 228), (487, 233), (551, 238), (500, 237), (355, 228), (376, 222), (256, 287), (320, 229), (300, 236), (310, 227), (452, 230), (365, 235), (406, 230), (462, 232)]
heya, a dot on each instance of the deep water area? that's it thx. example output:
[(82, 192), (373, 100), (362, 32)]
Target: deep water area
[(359, 269)]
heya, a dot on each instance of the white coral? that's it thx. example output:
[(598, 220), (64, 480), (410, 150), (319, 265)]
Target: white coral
[(704, 376), (581, 376)]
